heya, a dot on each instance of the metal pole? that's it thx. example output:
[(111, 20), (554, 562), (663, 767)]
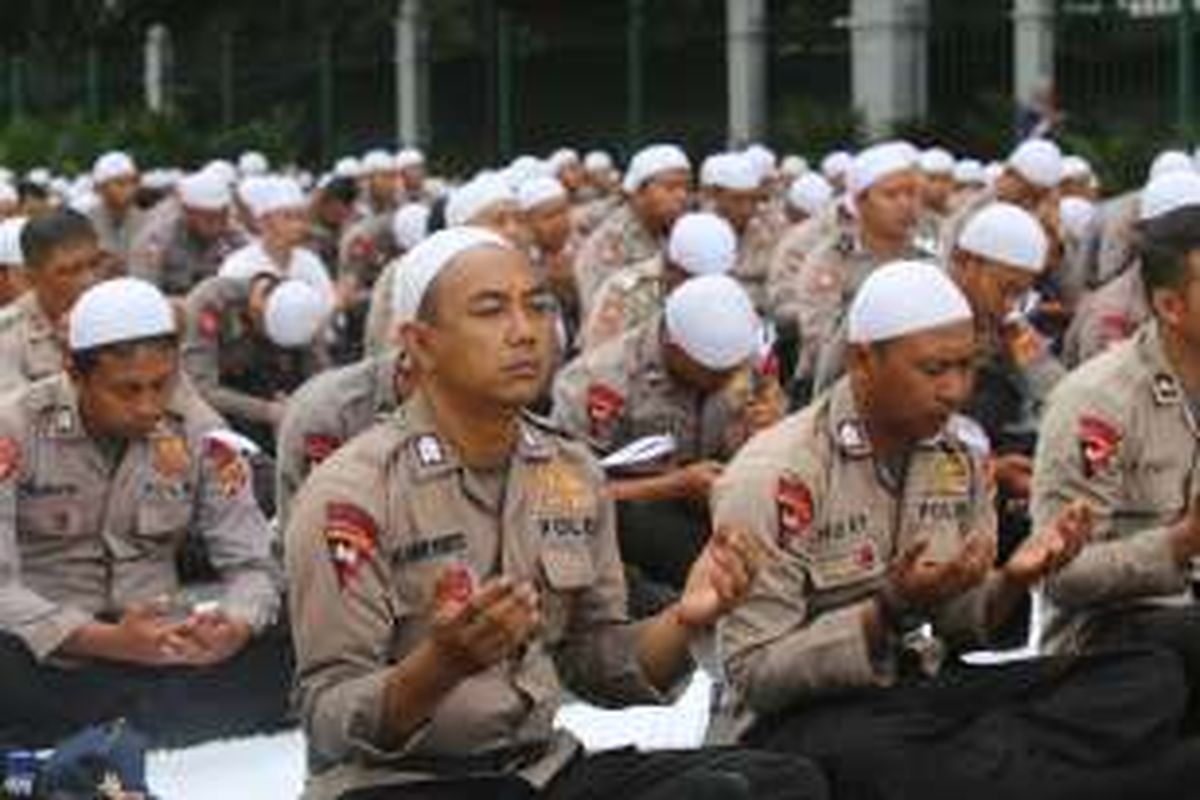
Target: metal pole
[(634, 69), (1187, 19), (504, 82), (325, 77), (227, 66)]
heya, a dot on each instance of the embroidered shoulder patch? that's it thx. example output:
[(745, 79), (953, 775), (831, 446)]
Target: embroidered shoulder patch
[(320, 446), (10, 458), (1099, 442), (604, 404), (231, 471), (794, 503), (351, 537)]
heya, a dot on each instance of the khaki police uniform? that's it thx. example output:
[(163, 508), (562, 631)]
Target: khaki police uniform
[(236, 368), (783, 288), (621, 392), (622, 239), (85, 534), (330, 410), (625, 300), (1118, 236), (372, 530), (364, 249), (117, 235), (167, 254), (1106, 316), (587, 216), (377, 330), (755, 246), (1119, 432), (30, 347), (812, 491)]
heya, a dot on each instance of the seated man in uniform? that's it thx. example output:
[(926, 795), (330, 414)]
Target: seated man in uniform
[(453, 568), (62, 258), (1120, 432), (249, 343), (875, 505), (104, 471), (694, 372)]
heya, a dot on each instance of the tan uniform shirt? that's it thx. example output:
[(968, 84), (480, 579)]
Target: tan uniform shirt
[(1120, 433), (625, 300), (783, 273), (82, 534), (29, 344), (1108, 315), (587, 216), (1118, 235), (328, 411), (374, 528), (811, 490), (621, 392), (116, 235), (167, 255), (755, 246), (619, 241), (236, 369), (365, 248)]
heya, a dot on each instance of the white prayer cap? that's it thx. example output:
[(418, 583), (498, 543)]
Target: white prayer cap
[(1170, 161), (878, 162), (562, 157), (40, 175), (119, 310), (535, 191), (1038, 161), (992, 172), (597, 161), (763, 158), (480, 193), (204, 190), (347, 167), (420, 266), (810, 193), (11, 254), (276, 194), (1076, 215), (294, 312), (734, 171), (712, 319), (223, 170), (793, 166), (377, 161), (702, 244), (1169, 192), (253, 162), (969, 171), (110, 166), (7, 175), (1006, 234), (8, 193), (409, 157), (155, 180), (1076, 168), (936, 161), (410, 224), (902, 298), (836, 164), (651, 161)]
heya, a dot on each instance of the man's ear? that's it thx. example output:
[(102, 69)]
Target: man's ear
[(1168, 306), (416, 339)]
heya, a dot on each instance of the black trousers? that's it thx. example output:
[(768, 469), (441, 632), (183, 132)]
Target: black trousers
[(1095, 727), (708, 774), (662, 538), (1175, 629), (42, 704)]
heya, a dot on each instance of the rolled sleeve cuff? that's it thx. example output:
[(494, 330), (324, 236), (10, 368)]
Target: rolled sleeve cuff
[(253, 598), (353, 713), (47, 634)]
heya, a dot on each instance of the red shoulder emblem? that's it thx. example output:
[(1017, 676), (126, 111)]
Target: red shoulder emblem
[(1099, 441), (351, 536), (209, 323), (604, 404), (10, 458), (230, 468), (794, 503), (320, 446)]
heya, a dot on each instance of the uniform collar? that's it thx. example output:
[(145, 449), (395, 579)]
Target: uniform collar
[(433, 456), (61, 418), (848, 431), (40, 326), (1164, 386), (386, 369)]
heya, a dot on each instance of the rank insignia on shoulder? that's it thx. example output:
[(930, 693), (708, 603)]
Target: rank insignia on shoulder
[(320, 446), (429, 451), (1166, 389), (852, 438)]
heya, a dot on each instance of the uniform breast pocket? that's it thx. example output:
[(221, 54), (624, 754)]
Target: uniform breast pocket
[(567, 569), (163, 519), (51, 516)]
